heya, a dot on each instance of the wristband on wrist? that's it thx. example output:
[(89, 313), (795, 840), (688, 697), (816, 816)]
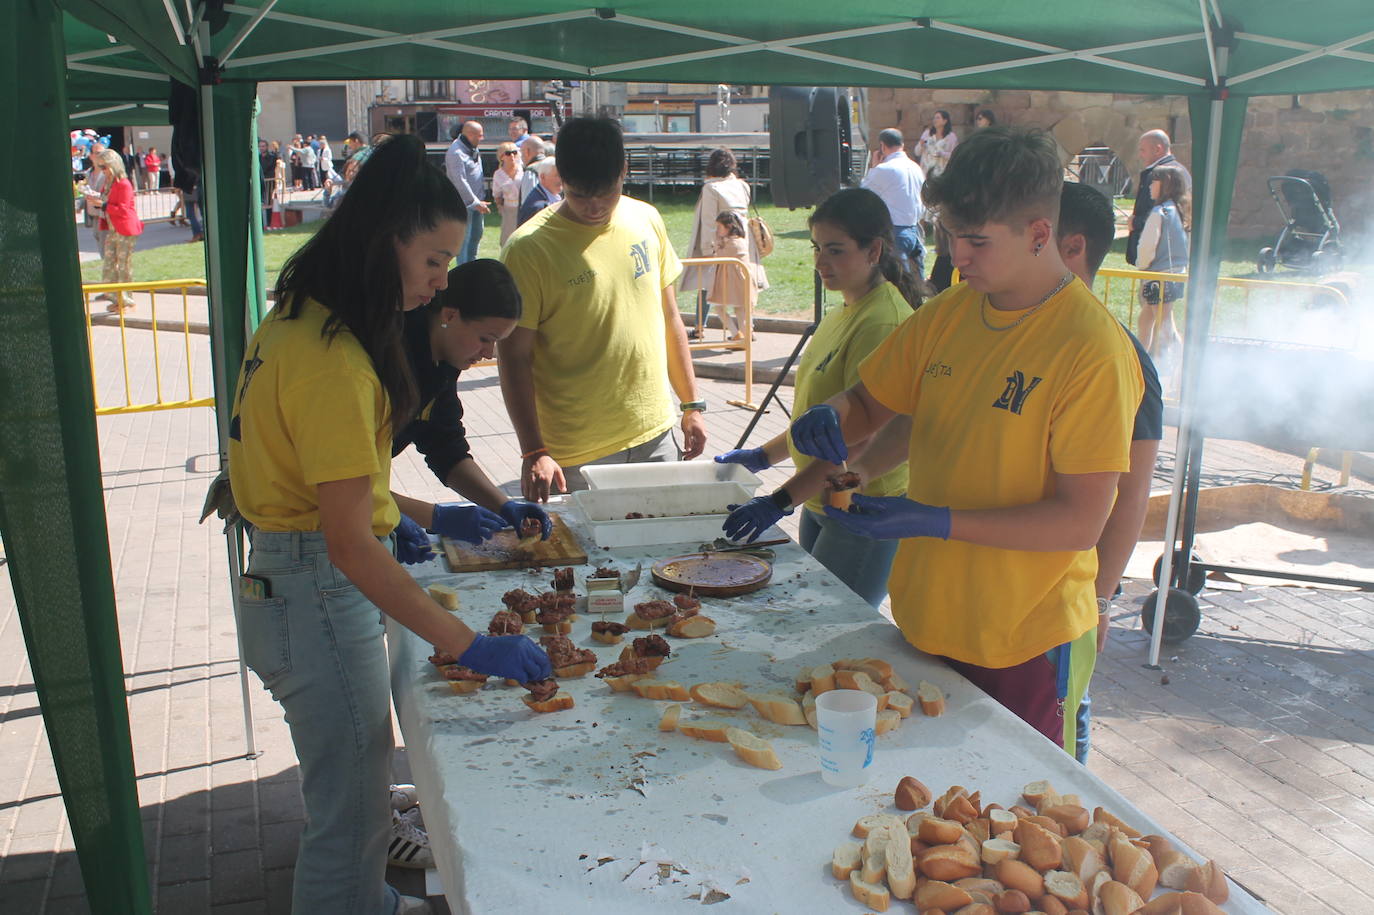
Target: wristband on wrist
[(692, 405), (782, 500), (535, 453), (1104, 605)]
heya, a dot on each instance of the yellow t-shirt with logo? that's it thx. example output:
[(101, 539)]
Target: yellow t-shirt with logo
[(594, 295), (843, 339), (995, 414), (308, 410)]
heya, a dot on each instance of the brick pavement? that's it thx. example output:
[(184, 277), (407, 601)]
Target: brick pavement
[(1259, 750)]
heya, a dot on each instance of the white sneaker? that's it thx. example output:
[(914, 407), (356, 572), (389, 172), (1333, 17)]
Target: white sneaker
[(409, 844), (404, 797), (412, 905)]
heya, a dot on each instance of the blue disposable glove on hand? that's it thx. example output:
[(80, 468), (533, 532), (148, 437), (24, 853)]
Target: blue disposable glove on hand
[(752, 518), (892, 518), (751, 459), (517, 510), (470, 523), (817, 433), (412, 543), (511, 656)]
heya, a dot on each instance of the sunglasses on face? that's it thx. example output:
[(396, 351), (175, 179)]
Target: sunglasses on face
[(511, 152)]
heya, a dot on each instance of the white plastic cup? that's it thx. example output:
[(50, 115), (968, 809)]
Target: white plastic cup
[(845, 721)]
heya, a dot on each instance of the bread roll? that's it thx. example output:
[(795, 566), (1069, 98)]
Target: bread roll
[(692, 627), (712, 729), (444, 596), (753, 750), (1052, 905), (1039, 847), (1012, 902), (803, 680), (1035, 792), (652, 688), (1118, 899), (624, 683), (895, 683), (575, 670), (1018, 875), (937, 894), (607, 638), (1048, 823), (559, 628), (949, 862), (668, 721), (1101, 815), (1210, 881), (635, 621), (463, 687), (872, 895), (874, 867), (720, 695), (1156, 846), (900, 703), (652, 662), (809, 708), (888, 720), (1001, 822), (845, 859), (557, 703), (1174, 868), (877, 821), (995, 850), (901, 869), (979, 830), (1068, 888), (1180, 904), (938, 831), (878, 669), (977, 908), (822, 679), (979, 887), (1073, 818), (911, 794), (1134, 867), (931, 698), (840, 499), (1081, 859), (777, 709)]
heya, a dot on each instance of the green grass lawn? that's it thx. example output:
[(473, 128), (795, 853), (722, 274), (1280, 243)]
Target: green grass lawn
[(789, 267)]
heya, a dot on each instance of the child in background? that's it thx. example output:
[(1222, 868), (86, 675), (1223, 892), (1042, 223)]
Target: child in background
[(1164, 249), (731, 289)]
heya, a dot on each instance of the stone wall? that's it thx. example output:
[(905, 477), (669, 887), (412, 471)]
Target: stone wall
[(1332, 133)]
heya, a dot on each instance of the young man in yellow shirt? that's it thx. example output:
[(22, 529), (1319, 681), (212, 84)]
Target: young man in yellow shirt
[(1021, 390), (590, 372)]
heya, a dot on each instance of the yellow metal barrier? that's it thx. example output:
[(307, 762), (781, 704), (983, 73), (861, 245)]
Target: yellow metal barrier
[(131, 294)]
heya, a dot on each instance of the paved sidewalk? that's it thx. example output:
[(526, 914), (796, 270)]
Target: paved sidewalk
[(1255, 744)]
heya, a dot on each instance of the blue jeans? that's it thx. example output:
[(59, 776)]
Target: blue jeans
[(316, 643), (1083, 740), (912, 247), (860, 562), (473, 237)]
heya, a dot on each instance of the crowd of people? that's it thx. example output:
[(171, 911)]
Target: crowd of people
[(1003, 429)]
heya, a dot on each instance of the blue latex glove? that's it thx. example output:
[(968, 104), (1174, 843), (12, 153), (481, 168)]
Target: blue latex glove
[(752, 518), (751, 459), (412, 543), (511, 656), (469, 523), (517, 510), (892, 518), (817, 433)]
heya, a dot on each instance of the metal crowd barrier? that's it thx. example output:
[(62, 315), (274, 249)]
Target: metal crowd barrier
[(167, 391), (746, 341)]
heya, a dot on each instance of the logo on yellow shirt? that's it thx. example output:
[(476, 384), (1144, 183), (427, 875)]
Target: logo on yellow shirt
[(639, 253), (249, 367), (1015, 393)]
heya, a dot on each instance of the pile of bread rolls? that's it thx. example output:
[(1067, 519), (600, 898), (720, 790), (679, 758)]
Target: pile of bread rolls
[(1047, 855)]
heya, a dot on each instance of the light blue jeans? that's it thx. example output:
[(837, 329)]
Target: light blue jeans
[(316, 642), (860, 562), (473, 237)]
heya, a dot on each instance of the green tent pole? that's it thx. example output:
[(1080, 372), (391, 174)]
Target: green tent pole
[(1217, 123), (51, 501)]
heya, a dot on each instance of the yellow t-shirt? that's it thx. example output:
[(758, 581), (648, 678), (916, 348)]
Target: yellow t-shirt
[(594, 294), (309, 410), (843, 339), (994, 415)]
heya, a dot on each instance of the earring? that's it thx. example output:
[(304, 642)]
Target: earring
[(1038, 246), (443, 326)]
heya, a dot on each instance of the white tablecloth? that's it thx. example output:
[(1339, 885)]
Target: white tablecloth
[(594, 810)]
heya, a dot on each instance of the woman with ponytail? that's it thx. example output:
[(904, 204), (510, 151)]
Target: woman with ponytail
[(324, 386), (855, 254)]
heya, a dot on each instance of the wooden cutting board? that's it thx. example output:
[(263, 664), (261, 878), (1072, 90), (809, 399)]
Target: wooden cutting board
[(502, 551), (713, 574)]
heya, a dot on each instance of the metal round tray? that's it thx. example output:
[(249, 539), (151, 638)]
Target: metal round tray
[(712, 574)]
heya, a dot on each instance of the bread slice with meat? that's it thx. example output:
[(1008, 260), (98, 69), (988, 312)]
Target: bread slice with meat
[(558, 702)]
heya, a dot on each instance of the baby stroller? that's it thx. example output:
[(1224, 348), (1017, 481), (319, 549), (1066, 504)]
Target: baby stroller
[(1311, 237)]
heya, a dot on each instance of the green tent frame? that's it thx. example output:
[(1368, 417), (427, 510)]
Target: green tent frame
[(77, 57)]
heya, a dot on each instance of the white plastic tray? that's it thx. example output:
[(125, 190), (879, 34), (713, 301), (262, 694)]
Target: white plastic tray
[(682, 512), (670, 473)]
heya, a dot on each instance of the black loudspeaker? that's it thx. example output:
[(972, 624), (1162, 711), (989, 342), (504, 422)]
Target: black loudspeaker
[(810, 144)]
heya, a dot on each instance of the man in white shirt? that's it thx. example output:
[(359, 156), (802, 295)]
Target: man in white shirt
[(463, 163), (897, 179)]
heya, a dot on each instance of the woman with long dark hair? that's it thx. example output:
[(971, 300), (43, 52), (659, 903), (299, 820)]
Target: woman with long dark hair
[(1164, 249), (856, 255), (936, 144), (461, 326), (324, 385)]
